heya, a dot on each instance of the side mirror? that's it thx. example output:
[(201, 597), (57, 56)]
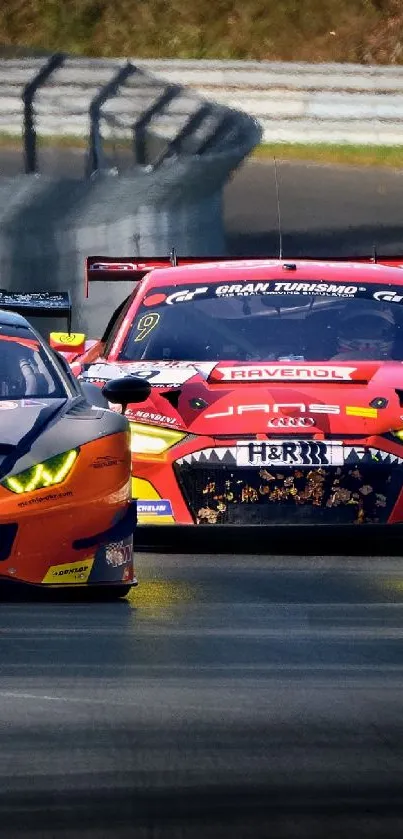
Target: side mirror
[(67, 342), (124, 391)]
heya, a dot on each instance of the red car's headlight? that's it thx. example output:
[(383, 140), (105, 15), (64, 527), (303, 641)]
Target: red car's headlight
[(149, 439)]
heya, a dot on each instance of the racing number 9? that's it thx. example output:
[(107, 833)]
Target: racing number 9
[(146, 324)]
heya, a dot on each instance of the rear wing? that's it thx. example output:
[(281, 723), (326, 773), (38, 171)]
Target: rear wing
[(38, 303), (389, 261), (106, 269)]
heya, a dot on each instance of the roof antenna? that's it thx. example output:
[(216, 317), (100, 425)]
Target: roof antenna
[(280, 235), (374, 254), (173, 257)]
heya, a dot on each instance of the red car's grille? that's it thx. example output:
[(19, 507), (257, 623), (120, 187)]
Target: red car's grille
[(218, 494)]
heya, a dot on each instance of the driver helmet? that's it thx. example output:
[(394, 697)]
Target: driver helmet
[(368, 332), (16, 369)]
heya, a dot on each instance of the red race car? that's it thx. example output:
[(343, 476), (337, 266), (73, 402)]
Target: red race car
[(276, 388)]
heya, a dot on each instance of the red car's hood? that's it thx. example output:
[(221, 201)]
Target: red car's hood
[(233, 398)]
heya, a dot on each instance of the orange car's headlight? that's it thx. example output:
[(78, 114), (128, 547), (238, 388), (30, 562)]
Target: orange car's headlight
[(150, 439), (50, 472)]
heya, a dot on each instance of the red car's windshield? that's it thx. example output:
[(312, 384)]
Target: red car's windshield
[(252, 322)]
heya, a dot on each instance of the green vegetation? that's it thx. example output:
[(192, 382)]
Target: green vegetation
[(348, 155), (391, 156), (363, 31)]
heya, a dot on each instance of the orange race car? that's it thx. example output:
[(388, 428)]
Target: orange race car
[(66, 513)]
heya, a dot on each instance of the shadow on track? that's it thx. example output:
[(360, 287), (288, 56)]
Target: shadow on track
[(223, 813), (324, 243), (356, 540), (22, 593)]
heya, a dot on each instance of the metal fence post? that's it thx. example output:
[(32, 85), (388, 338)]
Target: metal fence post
[(28, 96), (221, 130), (108, 90), (140, 126), (192, 124)]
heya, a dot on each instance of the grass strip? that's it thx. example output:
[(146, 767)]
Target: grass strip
[(348, 155), (326, 153)]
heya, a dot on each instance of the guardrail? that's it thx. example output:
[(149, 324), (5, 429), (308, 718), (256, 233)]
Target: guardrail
[(115, 103), (293, 102), (300, 102)]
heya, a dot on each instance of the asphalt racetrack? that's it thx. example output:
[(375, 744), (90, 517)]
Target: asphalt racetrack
[(233, 696), (248, 691)]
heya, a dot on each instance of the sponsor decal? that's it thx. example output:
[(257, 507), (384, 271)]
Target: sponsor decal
[(148, 416), (228, 455), (182, 296), (185, 295), (51, 496), (275, 408), (11, 404), (159, 374), (356, 411), (69, 573), (388, 296), (84, 378), (104, 461), (34, 300), (154, 508), (291, 422), (373, 291), (289, 453), (248, 289), (313, 408), (262, 372), (129, 574), (242, 289), (100, 373), (154, 300), (118, 554), (117, 266)]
